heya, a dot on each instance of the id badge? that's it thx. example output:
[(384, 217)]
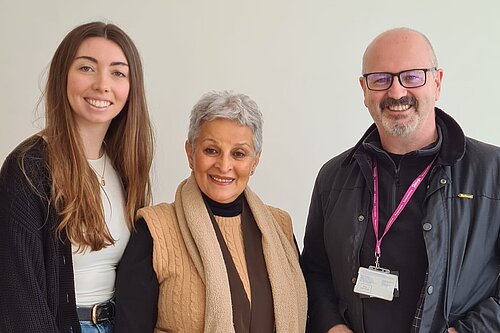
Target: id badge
[(376, 282)]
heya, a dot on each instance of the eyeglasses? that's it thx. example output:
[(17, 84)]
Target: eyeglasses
[(412, 78)]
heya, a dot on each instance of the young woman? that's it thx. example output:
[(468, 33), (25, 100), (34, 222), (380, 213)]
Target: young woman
[(68, 195)]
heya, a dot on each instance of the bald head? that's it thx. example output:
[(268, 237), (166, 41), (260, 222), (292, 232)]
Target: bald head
[(399, 47), (403, 112)]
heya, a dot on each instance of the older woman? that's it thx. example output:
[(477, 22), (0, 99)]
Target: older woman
[(217, 259)]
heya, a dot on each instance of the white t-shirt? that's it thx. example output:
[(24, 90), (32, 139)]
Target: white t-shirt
[(95, 271)]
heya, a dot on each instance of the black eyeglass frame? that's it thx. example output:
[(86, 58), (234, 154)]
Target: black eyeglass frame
[(398, 75)]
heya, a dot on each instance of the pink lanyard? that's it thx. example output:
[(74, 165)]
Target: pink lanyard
[(404, 201)]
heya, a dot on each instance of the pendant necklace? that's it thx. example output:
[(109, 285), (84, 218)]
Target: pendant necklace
[(101, 180)]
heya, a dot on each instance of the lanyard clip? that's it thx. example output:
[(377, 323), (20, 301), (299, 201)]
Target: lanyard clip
[(377, 263)]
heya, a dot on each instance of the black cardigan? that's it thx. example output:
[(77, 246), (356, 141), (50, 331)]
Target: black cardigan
[(37, 291)]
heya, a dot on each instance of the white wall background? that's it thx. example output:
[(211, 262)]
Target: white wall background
[(299, 60)]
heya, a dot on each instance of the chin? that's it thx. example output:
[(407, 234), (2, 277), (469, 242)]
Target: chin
[(399, 129), (221, 198)]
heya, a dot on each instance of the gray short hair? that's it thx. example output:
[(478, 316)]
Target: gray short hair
[(227, 105)]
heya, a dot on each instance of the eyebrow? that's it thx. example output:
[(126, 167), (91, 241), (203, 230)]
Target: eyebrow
[(238, 144), (114, 63)]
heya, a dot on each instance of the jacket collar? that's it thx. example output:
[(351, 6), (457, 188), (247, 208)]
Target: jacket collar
[(452, 147)]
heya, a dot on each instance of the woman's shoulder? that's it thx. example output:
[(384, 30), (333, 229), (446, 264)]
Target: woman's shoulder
[(283, 219), (159, 218), (28, 161), (157, 212), (32, 147), (279, 213), (254, 201), (25, 186), (30, 153)]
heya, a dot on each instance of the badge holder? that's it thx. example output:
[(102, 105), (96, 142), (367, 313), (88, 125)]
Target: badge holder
[(376, 281)]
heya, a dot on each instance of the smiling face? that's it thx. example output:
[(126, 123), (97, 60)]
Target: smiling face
[(222, 158), (98, 83), (399, 111)]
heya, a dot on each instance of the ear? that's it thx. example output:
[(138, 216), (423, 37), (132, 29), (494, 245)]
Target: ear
[(362, 83), (189, 153), (438, 77)]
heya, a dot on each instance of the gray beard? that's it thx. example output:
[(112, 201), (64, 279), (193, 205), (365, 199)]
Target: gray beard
[(400, 130)]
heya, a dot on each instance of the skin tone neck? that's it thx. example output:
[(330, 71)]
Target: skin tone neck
[(92, 140)]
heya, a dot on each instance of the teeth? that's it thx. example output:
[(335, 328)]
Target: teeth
[(220, 180), (400, 107), (98, 103)]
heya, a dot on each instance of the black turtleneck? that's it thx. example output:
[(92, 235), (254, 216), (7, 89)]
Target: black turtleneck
[(225, 209)]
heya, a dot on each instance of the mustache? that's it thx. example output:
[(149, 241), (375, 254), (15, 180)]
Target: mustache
[(388, 102)]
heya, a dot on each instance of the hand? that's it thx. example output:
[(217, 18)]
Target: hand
[(452, 330), (340, 328)]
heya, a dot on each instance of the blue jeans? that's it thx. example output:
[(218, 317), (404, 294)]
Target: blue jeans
[(102, 327)]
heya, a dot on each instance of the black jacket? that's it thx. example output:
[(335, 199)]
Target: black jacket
[(460, 226), (37, 292)]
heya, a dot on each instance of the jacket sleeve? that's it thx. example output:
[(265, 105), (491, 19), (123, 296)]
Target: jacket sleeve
[(484, 317), (25, 300), (137, 285), (323, 310)]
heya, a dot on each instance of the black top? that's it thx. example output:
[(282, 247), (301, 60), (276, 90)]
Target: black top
[(36, 283), (136, 269), (403, 248), (225, 209)]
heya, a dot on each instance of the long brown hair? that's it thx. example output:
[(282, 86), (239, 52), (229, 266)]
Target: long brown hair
[(129, 144)]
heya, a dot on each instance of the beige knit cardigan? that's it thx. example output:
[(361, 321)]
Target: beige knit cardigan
[(194, 294)]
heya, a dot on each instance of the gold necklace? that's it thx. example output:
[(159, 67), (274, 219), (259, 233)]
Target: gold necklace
[(101, 180)]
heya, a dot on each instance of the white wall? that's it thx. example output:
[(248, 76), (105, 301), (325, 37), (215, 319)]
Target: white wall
[(299, 60)]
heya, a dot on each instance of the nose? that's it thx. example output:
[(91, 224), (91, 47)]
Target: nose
[(396, 90), (102, 83), (224, 163)]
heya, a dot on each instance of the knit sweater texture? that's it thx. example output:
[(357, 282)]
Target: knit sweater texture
[(231, 230), (193, 293), (181, 304), (36, 282)]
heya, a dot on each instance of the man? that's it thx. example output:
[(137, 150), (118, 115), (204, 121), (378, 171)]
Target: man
[(402, 232)]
